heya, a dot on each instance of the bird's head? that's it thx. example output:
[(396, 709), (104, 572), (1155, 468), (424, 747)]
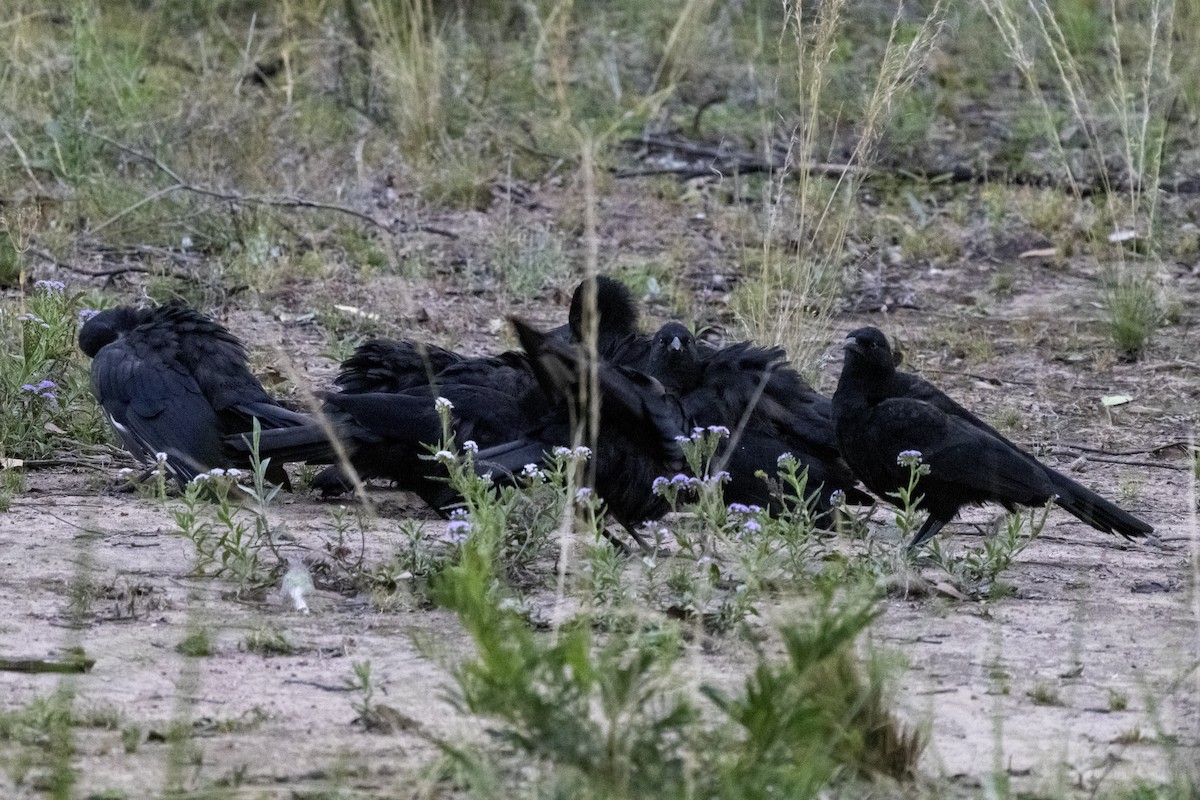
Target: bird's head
[(618, 313), (107, 326), (674, 340), (867, 350), (673, 356)]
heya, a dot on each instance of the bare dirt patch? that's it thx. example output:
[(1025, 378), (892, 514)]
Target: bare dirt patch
[(1082, 681)]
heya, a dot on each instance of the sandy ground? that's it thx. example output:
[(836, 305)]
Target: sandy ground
[(1092, 618)]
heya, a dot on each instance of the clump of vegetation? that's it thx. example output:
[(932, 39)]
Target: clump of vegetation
[(799, 267), (1123, 117), (604, 718), (268, 642), (978, 571), (228, 522), (45, 392), (1134, 311), (197, 644)]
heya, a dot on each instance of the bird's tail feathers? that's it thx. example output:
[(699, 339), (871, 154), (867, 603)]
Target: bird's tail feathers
[(285, 445), (1095, 510)]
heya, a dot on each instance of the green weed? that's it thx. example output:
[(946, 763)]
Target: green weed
[(268, 642), (603, 719), (1044, 695), (977, 571), (198, 643), (45, 391), (909, 500), (230, 545), (1134, 311)]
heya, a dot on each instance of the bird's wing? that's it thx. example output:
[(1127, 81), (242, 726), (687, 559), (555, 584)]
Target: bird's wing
[(959, 453), (917, 388), (157, 407), (383, 365), (783, 404)]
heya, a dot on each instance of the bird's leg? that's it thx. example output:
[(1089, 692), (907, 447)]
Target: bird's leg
[(928, 531), (647, 549), (618, 544), (128, 485)]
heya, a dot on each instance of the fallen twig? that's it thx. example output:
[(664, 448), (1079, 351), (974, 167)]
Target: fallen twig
[(238, 197), (1129, 462), (1156, 449), (108, 273), (730, 160), (69, 666)]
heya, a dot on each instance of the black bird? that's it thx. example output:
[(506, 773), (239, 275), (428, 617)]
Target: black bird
[(881, 413), (767, 406), (171, 380), (616, 313), (384, 365), (387, 434), (638, 438)]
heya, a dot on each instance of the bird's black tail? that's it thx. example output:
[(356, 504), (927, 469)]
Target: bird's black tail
[(286, 445), (505, 461), (1095, 510)]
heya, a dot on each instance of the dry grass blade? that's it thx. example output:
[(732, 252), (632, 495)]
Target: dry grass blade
[(802, 259)]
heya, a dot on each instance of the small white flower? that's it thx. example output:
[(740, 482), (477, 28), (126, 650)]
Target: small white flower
[(123, 471), (582, 453), (719, 430), (443, 457), (442, 404), (562, 452), (234, 472), (470, 446), (216, 472), (161, 458), (785, 458)]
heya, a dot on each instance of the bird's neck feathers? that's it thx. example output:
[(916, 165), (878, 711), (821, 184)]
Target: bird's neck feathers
[(864, 384)]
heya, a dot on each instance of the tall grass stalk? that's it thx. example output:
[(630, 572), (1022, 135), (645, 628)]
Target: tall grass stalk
[(799, 284), (1193, 504), (681, 41), (412, 59), (1136, 105)]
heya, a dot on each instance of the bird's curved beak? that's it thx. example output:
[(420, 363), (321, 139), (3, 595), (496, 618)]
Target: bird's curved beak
[(676, 345), (852, 344)]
